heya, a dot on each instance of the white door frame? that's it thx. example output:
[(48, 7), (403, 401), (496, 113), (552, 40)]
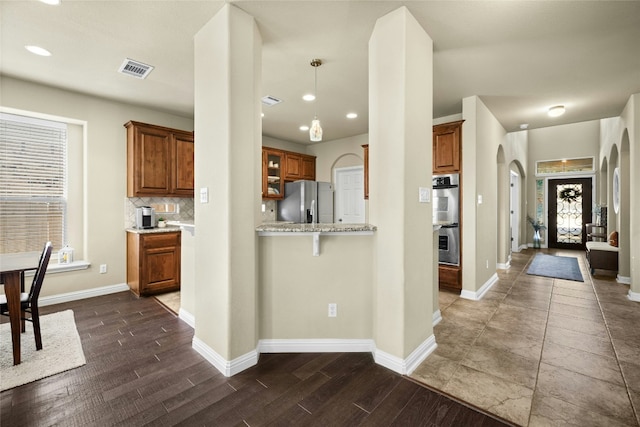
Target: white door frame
[(514, 210), (337, 197)]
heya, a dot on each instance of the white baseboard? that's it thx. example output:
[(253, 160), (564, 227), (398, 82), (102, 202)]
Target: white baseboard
[(226, 367), (476, 296), (408, 365), (187, 317), (634, 296), (437, 317), (505, 266), (316, 346), (623, 279), (78, 295)]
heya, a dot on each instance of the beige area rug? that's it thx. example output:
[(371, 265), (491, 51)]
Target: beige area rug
[(61, 350)]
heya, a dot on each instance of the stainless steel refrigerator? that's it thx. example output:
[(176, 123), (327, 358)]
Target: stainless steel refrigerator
[(304, 199)]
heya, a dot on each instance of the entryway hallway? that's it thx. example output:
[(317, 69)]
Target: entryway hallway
[(540, 351)]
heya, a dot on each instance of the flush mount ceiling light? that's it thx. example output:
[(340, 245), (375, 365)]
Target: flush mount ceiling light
[(38, 50), (315, 132), (524, 126), (352, 115), (556, 111)]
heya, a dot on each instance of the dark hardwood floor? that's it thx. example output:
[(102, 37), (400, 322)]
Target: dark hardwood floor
[(142, 370)]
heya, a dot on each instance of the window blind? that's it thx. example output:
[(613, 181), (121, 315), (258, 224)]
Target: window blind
[(33, 172)]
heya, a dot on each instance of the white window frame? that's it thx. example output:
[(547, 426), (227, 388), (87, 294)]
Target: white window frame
[(75, 230)]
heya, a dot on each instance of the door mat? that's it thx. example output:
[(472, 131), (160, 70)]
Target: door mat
[(558, 267)]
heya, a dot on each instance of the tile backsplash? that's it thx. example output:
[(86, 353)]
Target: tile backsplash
[(170, 208), (271, 211), (179, 209)]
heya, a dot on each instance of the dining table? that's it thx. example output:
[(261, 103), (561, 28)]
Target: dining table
[(12, 269)]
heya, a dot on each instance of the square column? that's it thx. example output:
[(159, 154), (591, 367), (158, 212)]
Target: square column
[(400, 162), (228, 132)]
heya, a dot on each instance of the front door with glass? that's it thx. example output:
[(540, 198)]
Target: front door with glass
[(569, 209)]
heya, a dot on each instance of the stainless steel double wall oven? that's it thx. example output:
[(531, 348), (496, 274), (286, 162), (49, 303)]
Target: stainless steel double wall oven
[(446, 213)]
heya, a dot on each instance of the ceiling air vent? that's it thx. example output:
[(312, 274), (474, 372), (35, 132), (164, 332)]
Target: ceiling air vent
[(270, 100), (135, 68)]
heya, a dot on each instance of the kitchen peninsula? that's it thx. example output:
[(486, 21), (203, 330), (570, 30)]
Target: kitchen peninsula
[(315, 230), (298, 287)]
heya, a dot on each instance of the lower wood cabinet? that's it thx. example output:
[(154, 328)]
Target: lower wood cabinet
[(450, 277), (153, 262)]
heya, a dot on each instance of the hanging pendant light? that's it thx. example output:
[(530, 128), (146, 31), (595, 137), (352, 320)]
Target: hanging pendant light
[(315, 131)]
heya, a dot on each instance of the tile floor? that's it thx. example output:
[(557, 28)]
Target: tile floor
[(539, 351), (171, 300)]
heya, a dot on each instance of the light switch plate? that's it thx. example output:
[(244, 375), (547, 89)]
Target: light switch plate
[(479, 199), (204, 195), (424, 195)]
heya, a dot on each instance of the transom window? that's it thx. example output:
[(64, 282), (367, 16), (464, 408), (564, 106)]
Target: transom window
[(560, 166)]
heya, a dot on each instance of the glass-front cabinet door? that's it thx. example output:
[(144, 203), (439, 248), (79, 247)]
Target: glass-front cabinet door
[(272, 178)]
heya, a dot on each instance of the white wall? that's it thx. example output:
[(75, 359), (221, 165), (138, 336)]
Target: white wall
[(105, 169), (296, 287), (482, 135), (557, 142), (337, 153), (281, 144)]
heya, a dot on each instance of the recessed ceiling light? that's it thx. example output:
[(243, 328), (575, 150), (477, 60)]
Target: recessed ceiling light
[(352, 115), (524, 126), (51, 2), (556, 111), (309, 97), (38, 50), (304, 128)]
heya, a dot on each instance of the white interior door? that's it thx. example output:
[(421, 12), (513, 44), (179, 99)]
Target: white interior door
[(349, 195), (514, 212)]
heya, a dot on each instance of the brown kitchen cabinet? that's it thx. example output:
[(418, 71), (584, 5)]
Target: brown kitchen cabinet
[(291, 166), (299, 166), (450, 277), (447, 141), (366, 171), (153, 262), (272, 178), (160, 161)]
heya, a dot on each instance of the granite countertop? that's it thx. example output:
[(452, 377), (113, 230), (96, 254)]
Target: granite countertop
[(167, 229), (287, 227)]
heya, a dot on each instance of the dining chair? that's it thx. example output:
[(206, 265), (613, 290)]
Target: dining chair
[(29, 301)]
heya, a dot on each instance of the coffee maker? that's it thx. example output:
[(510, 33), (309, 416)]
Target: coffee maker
[(145, 217)]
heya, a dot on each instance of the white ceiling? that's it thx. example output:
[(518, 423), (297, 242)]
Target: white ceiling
[(520, 57)]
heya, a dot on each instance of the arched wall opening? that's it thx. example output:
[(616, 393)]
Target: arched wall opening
[(504, 232), (624, 214), (518, 204)]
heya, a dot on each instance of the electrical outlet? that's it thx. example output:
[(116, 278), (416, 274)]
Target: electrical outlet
[(333, 309), (103, 268)]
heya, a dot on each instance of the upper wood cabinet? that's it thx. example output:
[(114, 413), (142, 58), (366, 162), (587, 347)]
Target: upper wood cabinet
[(447, 141), (291, 166), (160, 161), (272, 177), (366, 171), (299, 166)]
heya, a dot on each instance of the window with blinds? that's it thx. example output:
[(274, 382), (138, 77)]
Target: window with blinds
[(33, 172)]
